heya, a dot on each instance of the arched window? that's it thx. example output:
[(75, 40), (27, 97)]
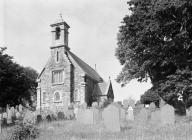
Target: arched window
[(44, 97), (57, 96), (57, 57), (57, 33), (77, 96)]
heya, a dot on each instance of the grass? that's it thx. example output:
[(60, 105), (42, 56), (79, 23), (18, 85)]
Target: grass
[(72, 130)]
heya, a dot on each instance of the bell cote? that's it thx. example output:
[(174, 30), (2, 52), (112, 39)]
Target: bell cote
[(60, 34)]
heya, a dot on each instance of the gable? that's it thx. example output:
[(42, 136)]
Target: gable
[(90, 72)]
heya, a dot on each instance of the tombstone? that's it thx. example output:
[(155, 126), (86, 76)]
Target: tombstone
[(167, 115), (95, 105), (96, 115), (29, 117), (9, 116), (83, 106), (122, 114), (4, 118), (61, 116), (143, 115), (39, 119), (125, 103), (20, 108), (0, 122), (152, 106), (48, 118), (162, 103), (131, 102), (18, 115), (111, 117), (85, 116), (130, 115), (156, 117)]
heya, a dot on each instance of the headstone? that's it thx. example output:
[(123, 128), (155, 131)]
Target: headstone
[(152, 107), (85, 116), (83, 106), (156, 117), (167, 115), (95, 105), (162, 103), (122, 114), (61, 115), (131, 102), (39, 119), (111, 117), (9, 116), (48, 118), (0, 122), (143, 115), (96, 115), (29, 117), (18, 115), (125, 103), (130, 115), (20, 108)]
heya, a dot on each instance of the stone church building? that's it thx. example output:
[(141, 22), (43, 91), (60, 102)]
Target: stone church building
[(66, 78)]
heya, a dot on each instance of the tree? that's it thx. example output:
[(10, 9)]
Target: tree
[(150, 96), (155, 42), (17, 83)]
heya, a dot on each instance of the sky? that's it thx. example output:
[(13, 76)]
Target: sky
[(25, 30)]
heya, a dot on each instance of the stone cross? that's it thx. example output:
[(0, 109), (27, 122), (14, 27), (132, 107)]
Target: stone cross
[(130, 115)]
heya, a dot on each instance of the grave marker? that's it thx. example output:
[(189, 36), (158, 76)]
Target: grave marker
[(167, 115), (130, 115), (111, 117)]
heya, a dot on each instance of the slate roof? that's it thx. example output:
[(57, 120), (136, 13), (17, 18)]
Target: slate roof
[(86, 68), (102, 88)]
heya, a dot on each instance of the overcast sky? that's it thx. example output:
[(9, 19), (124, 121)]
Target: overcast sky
[(25, 30)]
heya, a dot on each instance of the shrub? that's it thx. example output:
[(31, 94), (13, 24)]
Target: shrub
[(61, 116), (24, 131)]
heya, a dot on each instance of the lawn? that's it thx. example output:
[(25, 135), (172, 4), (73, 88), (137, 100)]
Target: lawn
[(72, 130)]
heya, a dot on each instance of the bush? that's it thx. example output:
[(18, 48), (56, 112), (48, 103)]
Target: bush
[(24, 131)]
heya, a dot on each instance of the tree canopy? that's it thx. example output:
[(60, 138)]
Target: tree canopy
[(155, 42), (17, 83)]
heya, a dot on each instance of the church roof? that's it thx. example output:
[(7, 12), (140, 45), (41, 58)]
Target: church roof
[(86, 68), (102, 88)]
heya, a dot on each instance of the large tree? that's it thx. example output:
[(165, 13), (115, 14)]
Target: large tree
[(17, 83), (155, 42)]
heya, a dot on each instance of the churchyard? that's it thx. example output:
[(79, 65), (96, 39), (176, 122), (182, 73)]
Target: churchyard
[(115, 121)]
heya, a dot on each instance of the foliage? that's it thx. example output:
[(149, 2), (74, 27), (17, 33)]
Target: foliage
[(155, 41), (24, 131), (17, 83), (150, 96)]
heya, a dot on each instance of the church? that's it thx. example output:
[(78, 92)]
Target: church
[(66, 78)]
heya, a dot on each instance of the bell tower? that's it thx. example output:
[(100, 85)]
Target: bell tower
[(60, 34)]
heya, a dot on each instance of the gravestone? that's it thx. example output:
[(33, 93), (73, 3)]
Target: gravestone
[(61, 116), (152, 106), (122, 114), (162, 103), (9, 116), (95, 105), (39, 119), (130, 115), (143, 115), (29, 117), (96, 115), (111, 117), (125, 103), (48, 118), (85, 116), (20, 108), (167, 115), (156, 117), (131, 102)]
